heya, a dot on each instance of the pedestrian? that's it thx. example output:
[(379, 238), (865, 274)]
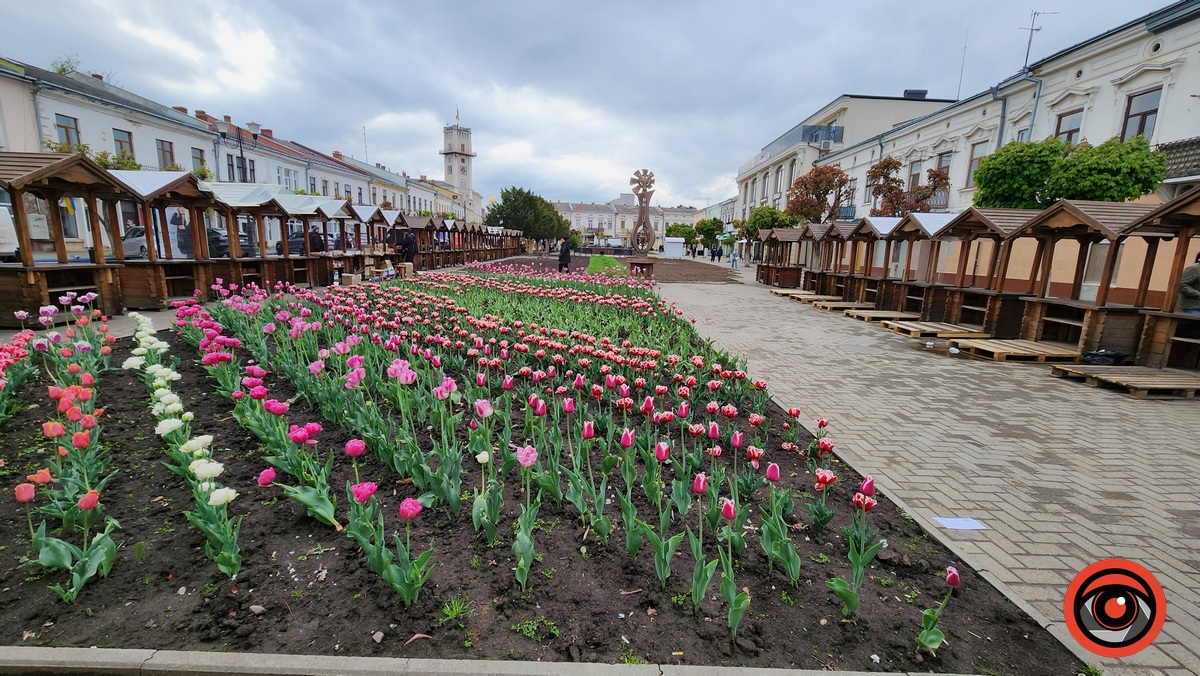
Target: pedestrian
[(720, 252), (409, 246), (693, 252), (712, 254), (734, 259), (183, 234), (316, 242), (564, 256), (1189, 289)]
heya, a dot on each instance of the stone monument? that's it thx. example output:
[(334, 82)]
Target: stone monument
[(643, 234)]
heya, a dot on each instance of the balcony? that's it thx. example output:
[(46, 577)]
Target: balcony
[(940, 200), (846, 213), (816, 134)]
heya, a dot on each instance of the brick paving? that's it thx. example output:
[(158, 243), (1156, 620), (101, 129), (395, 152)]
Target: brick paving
[(1061, 474)]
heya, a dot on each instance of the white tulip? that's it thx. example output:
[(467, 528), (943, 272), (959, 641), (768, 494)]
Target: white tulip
[(206, 469), (166, 426), (133, 363), (482, 458), (221, 496)]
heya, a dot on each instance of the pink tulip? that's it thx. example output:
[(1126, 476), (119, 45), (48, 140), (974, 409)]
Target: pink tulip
[(480, 379), (409, 509), (662, 451), (259, 392), (821, 422), (647, 406), (867, 487), (483, 408), (728, 509), (589, 429), (25, 492), (737, 439), (569, 405), (579, 381), (298, 435), (266, 477), (527, 456), (773, 473), (539, 409), (753, 453), (362, 492), (683, 410), (355, 447), (863, 502), (316, 367), (714, 432), (712, 407), (700, 484), (825, 445), (507, 384), (952, 577), (626, 438)]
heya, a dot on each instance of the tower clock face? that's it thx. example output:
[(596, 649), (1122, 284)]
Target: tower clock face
[(449, 169)]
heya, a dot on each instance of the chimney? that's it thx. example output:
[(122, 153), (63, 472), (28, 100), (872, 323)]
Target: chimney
[(267, 132), (201, 115), (916, 94), (227, 119), (337, 154), (180, 109), (98, 76), (422, 177)]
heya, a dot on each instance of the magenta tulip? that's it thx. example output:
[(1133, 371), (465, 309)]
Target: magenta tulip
[(363, 492), (714, 432), (266, 477), (568, 405), (867, 487), (409, 509), (700, 484), (355, 447), (627, 438), (773, 473), (737, 439), (728, 509), (952, 577), (589, 429), (662, 451)]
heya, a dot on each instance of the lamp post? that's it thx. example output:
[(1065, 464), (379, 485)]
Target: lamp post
[(239, 142)]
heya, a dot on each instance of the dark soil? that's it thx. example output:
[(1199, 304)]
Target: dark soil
[(666, 270), (319, 596)]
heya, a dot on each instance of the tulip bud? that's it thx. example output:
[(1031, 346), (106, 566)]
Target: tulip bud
[(662, 451), (952, 577), (714, 432), (867, 487), (700, 484), (589, 429), (736, 439), (266, 477), (569, 405), (626, 438), (355, 447), (728, 509), (773, 473)]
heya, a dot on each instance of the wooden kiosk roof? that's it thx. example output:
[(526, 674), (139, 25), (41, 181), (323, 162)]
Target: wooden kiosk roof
[(70, 174), (875, 227), (1168, 219), (784, 235), (151, 185), (1074, 218), (994, 223), (921, 225), (815, 231)]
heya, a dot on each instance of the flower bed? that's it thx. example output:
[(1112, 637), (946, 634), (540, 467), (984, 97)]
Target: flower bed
[(536, 467)]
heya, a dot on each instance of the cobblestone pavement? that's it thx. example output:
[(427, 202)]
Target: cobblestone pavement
[(1061, 474)]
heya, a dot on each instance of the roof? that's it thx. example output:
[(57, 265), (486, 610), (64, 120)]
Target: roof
[(366, 213), (64, 173), (1067, 218), (1168, 219), (988, 222), (376, 171), (921, 225), (150, 185), (391, 216), (245, 195), (815, 230), (841, 229), (786, 234), (314, 155), (1183, 157), (876, 226)]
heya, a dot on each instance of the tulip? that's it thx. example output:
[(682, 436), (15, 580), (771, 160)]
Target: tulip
[(569, 405), (952, 577), (794, 412), (482, 458), (81, 440), (647, 406), (867, 487), (507, 383), (53, 429), (626, 438), (712, 407), (409, 509), (527, 456), (258, 393), (863, 502), (825, 445), (579, 381), (773, 473), (221, 496), (754, 453), (480, 379), (355, 447), (41, 477), (700, 484), (728, 509), (298, 435), (362, 492), (662, 451), (25, 492), (483, 408), (589, 429), (737, 439), (696, 429), (89, 500), (822, 422), (266, 477), (714, 432)]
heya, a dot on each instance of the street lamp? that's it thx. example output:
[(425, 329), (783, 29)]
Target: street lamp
[(239, 142)]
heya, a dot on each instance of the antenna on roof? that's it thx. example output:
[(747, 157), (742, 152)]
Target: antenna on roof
[(963, 66), (366, 158), (1032, 29)]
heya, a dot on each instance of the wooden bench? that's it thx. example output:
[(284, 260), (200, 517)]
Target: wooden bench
[(1142, 382), (832, 305), (880, 315), (813, 298), (1017, 350), (932, 329)]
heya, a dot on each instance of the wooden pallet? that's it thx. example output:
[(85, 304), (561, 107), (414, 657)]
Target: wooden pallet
[(815, 298), (841, 305), (932, 329), (789, 293), (880, 315), (1142, 382), (1017, 350)]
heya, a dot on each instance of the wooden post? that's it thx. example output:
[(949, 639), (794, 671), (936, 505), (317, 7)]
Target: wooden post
[(234, 233), (1147, 270), (24, 241), (887, 259), (1171, 302), (148, 230), (961, 277), (199, 233), (993, 257), (1080, 267), (56, 225), (1037, 265), (931, 270), (96, 227), (262, 234), (284, 235), (1110, 264), (1002, 272), (907, 259), (168, 250), (1047, 264), (114, 229)]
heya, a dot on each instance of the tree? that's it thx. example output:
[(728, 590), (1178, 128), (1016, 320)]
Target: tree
[(1017, 175), (708, 230), (1025, 175), (687, 232), (522, 210), (818, 196), (894, 200), (122, 160), (767, 218), (1113, 171)]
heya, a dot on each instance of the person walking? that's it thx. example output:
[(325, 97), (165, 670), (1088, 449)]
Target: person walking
[(720, 252), (712, 254), (409, 245), (316, 242), (564, 256), (734, 259), (1189, 289)]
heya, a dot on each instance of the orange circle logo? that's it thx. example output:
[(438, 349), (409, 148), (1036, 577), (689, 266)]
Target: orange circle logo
[(1115, 608)]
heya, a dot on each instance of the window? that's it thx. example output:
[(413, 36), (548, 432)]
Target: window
[(197, 158), (241, 168), (943, 162), (867, 193), (1140, 114), (348, 192), (373, 195), (250, 166), (1068, 126), (68, 130), (122, 142), (337, 190), (852, 190), (1023, 134), (753, 190), (462, 170), (914, 175), (978, 152), (360, 201), (166, 153), (325, 187), (312, 184), (779, 178), (766, 184), (462, 182), (229, 168)]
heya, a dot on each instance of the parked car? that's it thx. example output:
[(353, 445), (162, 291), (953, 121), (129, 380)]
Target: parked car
[(296, 243), (134, 243)]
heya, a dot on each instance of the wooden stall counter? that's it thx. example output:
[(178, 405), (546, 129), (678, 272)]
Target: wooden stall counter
[(23, 288)]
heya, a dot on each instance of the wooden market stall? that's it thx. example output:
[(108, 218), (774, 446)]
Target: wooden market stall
[(781, 263), (815, 257), (870, 255), (1067, 312), (835, 244), (178, 247), (915, 284), (54, 254)]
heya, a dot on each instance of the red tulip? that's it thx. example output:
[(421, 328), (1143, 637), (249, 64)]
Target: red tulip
[(867, 487), (822, 422), (754, 453), (25, 492), (952, 577), (81, 439), (89, 501), (700, 484), (53, 429), (794, 412), (825, 445), (409, 509), (863, 502), (42, 476)]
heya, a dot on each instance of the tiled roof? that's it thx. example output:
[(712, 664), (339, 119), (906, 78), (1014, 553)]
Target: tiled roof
[(1183, 157), (1106, 218)]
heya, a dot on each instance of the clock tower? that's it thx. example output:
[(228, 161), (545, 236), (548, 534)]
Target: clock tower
[(456, 150)]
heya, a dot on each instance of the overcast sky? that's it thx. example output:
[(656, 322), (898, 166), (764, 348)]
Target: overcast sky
[(565, 98)]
